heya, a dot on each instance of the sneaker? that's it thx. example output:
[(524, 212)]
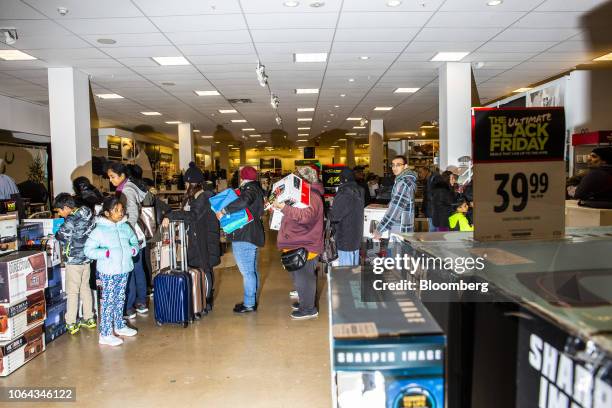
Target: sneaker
[(293, 294), (126, 331), (141, 309), (130, 314), (89, 323), (297, 315), (295, 306), (241, 308), (72, 328), (110, 340)]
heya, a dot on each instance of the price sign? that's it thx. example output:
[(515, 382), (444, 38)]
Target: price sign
[(519, 173)]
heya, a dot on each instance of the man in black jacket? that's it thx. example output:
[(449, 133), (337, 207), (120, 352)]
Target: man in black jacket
[(359, 179), (346, 216), (246, 240), (596, 186)]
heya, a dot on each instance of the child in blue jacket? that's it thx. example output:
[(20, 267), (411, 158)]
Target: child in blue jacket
[(113, 243)]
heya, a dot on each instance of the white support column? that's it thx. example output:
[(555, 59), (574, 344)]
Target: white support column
[(376, 148), (350, 152), (70, 127), (185, 137), (455, 102)]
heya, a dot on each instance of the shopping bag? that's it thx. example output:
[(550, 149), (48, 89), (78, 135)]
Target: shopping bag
[(236, 220), (223, 199)]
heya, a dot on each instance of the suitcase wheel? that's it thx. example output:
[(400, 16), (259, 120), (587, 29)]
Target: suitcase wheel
[(157, 322)]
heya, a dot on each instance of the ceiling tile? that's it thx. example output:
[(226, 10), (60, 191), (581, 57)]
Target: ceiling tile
[(292, 35), (383, 19), (217, 49), (209, 37), (550, 20), (18, 10), (369, 5), (536, 34), (153, 51), (109, 26), (275, 6), (130, 40), (34, 27), (197, 23), (291, 20), (51, 40), (86, 9), (187, 7), (481, 5), (473, 19), (564, 5), (66, 55), (520, 47), (457, 34), (379, 34)]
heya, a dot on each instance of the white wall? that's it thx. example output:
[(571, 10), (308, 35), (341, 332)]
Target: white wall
[(20, 116)]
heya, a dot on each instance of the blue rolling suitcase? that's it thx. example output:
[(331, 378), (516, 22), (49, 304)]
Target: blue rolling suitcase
[(172, 288)]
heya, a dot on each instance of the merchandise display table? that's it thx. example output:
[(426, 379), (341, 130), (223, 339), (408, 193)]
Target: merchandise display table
[(577, 216)]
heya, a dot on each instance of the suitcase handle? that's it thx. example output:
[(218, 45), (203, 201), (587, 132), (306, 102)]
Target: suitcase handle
[(173, 244)]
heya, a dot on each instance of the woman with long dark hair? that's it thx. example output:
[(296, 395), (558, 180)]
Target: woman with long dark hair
[(204, 248), (443, 196), (86, 193)]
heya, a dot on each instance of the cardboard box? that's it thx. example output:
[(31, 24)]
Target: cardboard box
[(292, 189), (8, 233), (275, 220), (384, 354), (49, 225), (372, 216), (30, 234), (22, 273), (54, 290), (48, 244), (55, 323), (17, 317), (17, 352)]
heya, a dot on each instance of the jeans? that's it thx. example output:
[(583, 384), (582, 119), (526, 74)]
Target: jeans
[(111, 303), (431, 226), (305, 281), (348, 258), (245, 254), (137, 285)]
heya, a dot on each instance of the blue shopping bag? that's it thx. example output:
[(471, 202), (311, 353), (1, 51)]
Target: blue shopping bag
[(223, 199), (236, 220)]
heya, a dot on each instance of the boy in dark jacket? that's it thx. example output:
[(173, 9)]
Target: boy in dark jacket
[(73, 233), (346, 217)]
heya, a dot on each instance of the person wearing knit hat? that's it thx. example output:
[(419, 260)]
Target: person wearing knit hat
[(308, 173), (194, 175), (597, 184), (346, 217), (247, 240)]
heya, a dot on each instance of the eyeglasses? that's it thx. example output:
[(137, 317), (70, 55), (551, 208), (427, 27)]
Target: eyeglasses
[(398, 164)]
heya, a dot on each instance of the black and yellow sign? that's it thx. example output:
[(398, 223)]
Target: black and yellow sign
[(114, 147), (519, 173)]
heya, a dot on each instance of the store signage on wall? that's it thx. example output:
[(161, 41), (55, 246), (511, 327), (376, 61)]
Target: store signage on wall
[(519, 173), (114, 147)]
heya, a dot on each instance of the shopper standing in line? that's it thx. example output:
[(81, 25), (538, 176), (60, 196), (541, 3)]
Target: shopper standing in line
[(359, 174), (427, 177), (346, 216), (303, 228), (86, 193), (204, 249), (443, 197), (247, 240), (400, 214), (131, 197), (72, 234), (596, 185), (113, 244)]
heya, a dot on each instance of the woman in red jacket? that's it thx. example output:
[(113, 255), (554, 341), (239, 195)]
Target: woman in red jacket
[(303, 228)]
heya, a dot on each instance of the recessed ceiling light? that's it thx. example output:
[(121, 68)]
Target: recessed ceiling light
[(174, 122), (325, 126), (406, 90), (494, 3), (207, 137), (351, 80), (304, 120), (449, 56), (353, 118), (196, 131), (239, 120), (607, 57), (230, 145), (307, 91), (342, 140), (254, 135), (247, 129), (15, 55), (227, 110), (364, 57), (305, 109), (358, 127), (301, 140), (328, 121), (521, 90), (317, 4), (151, 113), (393, 3), (106, 41), (335, 146), (302, 134), (336, 106), (170, 60), (261, 141), (351, 134), (291, 3), (331, 114), (383, 108), (206, 93), (217, 142), (394, 139), (310, 57), (235, 148), (342, 95), (303, 128), (109, 96)]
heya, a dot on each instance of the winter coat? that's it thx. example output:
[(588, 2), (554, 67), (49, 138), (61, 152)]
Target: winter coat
[(119, 240), (427, 195), (443, 198), (459, 222), (131, 197), (303, 227), (400, 214), (346, 216), (73, 233), (204, 250), (251, 197), (596, 185)]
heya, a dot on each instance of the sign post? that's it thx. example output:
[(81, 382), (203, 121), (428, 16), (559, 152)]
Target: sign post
[(519, 173)]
